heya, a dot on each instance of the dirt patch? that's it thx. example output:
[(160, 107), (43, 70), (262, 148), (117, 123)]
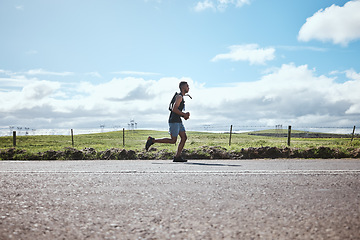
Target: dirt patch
[(204, 152)]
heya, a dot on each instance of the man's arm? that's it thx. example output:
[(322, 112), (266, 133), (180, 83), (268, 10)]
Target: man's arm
[(176, 108)]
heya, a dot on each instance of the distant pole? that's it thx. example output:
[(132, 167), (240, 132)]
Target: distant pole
[(352, 137), (289, 135), (230, 135), (123, 137), (14, 138), (72, 137)]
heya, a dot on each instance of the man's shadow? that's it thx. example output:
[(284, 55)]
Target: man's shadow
[(204, 164), (212, 164)]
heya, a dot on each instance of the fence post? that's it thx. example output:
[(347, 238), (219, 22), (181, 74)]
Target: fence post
[(352, 137), (72, 137), (289, 135), (123, 137), (230, 135), (14, 138)]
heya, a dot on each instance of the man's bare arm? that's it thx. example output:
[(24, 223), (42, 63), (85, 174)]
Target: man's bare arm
[(176, 108)]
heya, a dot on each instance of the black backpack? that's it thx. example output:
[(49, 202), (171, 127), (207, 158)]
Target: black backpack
[(171, 104)]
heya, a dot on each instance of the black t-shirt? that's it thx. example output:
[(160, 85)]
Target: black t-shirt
[(175, 118)]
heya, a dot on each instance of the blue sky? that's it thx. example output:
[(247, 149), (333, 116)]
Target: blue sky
[(85, 63)]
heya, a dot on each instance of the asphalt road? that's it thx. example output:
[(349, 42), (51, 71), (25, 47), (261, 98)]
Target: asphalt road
[(217, 199)]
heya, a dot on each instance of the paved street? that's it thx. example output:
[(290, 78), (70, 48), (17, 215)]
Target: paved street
[(201, 199)]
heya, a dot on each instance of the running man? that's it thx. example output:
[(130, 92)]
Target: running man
[(176, 126)]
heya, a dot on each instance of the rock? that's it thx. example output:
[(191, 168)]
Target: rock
[(90, 153), (73, 154), (50, 155)]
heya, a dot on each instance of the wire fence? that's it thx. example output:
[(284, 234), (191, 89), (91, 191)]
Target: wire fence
[(238, 128), (278, 131), (214, 128), (56, 131)]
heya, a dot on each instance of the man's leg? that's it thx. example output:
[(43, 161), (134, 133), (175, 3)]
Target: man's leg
[(151, 141), (174, 132), (183, 138), (171, 140)]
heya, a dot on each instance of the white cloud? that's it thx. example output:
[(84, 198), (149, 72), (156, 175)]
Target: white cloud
[(340, 25), (94, 74), (15, 81), (352, 89), (240, 3), (19, 7), (6, 72), (249, 52), (40, 90), (84, 103), (219, 5), (44, 72), (223, 4), (351, 74), (290, 94), (206, 4), (302, 48), (32, 94)]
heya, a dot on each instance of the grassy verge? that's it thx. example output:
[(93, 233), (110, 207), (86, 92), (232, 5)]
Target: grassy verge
[(135, 141)]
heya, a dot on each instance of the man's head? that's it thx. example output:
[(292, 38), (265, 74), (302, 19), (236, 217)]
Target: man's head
[(184, 86)]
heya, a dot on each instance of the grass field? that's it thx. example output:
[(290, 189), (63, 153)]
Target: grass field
[(135, 140)]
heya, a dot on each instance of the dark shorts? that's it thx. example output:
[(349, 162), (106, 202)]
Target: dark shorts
[(176, 128)]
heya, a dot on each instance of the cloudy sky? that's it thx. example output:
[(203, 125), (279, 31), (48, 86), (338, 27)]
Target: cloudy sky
[(79, 64)]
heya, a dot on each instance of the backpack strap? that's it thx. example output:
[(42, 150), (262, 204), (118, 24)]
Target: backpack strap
[(172, 102)]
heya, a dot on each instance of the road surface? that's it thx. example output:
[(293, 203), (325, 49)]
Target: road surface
[(201, 199)]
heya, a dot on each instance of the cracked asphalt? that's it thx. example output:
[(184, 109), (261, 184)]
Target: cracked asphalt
[(201, 199)]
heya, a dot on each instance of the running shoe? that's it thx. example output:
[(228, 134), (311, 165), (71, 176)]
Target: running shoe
[(149, 142)]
